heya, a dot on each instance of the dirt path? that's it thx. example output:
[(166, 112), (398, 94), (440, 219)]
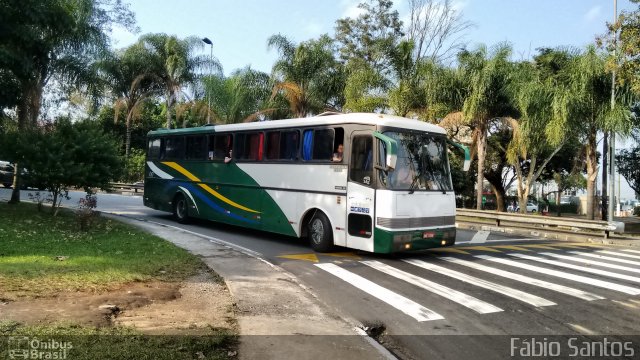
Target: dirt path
[(199, 305)]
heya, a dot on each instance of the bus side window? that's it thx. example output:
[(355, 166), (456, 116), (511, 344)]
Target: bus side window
[(289, 143), (273, 145), (361, 169), (337, 141), (195, 148), (174, 147), (219, 146), (154, 149)]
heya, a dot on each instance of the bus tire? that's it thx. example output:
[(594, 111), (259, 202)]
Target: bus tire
[(181, 209), (320, 234)]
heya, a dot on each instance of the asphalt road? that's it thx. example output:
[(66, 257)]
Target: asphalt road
[(490, 296)]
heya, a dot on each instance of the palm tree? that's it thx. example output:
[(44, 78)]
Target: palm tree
[(176, 64), (486, 97), (307, 75), (131, 82), (584, 107), (241, 97)]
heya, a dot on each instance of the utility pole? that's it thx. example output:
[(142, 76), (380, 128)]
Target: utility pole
[(207, 41), (612, 140)]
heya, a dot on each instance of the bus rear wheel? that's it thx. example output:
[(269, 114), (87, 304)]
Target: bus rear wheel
[(181, 209), (320, 233)]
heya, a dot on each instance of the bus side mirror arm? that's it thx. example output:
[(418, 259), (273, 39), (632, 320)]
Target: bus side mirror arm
[(467, 155), (392, 150)]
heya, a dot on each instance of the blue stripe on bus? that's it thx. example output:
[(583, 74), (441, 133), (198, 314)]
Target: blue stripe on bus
[(215, 206)]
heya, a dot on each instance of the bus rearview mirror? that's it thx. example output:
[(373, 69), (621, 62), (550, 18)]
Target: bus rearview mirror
[(391, 150)]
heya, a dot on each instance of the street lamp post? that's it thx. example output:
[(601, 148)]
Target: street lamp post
[(612, 140), (207, 41)]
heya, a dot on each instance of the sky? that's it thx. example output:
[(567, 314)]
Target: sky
[(239, 29)]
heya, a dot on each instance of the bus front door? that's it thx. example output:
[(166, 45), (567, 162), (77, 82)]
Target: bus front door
[(360, 192)]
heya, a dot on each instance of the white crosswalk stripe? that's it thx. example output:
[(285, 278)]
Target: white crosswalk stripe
[(632, 251), (577, 278), (504, 290), (618, 254), (451, 294), (608, 258), (407, 306), (578, 267), (584, 295), (591, 262)]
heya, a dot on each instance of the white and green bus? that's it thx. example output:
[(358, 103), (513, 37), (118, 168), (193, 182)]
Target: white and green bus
[(389, 189)]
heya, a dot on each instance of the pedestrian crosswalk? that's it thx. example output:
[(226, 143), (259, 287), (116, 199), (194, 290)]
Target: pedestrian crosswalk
[(576, 272)]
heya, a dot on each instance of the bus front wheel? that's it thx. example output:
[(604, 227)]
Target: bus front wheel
[(320, 233), (180, 209)]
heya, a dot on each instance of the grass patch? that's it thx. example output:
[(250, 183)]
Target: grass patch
[(119, 343), (41, 255)]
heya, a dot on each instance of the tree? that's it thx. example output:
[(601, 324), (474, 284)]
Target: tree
[(239, 97), (175, 63), (131, 82), (626, 48), (370, 36), (307, 75), (487, 98), (55, 39), (437, 29), (69, 155), (583, 107), (628, 163)]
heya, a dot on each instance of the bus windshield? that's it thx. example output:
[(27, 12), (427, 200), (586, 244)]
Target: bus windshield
[(421, 165)]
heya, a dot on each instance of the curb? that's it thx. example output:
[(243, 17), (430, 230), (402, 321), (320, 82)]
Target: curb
[(278, 316)]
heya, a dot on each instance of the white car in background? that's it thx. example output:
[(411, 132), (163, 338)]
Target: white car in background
[(531, 207)]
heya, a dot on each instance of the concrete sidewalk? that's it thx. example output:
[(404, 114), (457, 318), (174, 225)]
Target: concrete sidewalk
[(278, 318)]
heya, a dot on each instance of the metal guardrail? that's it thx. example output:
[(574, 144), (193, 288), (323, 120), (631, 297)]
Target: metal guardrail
[(572, 224), (127, 187)]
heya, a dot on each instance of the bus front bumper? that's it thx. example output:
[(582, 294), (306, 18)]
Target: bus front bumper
[(386, 241)]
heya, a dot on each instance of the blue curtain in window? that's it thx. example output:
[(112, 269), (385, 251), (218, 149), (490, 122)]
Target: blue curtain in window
[(306, 145)]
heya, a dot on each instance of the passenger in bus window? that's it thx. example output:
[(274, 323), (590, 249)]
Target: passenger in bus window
[(227, 159), (337, 156)]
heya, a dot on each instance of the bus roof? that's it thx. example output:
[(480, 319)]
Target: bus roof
[(354, 118)]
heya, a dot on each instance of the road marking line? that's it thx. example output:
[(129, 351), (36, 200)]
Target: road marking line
[(624, 261), (480, 237), (504, 290), (618, 254), (579, 268), (590, 262), (398, 301), (343, 254), (546, 247), (626, 304), (305, 257), (584, 295), (633, 251), (482, 248), (582, 329), (578, 278), (511, 247), (461, 298), (451, 250)]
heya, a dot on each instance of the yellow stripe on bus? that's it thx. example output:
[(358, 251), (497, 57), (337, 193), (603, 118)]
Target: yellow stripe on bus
[(192, 177)]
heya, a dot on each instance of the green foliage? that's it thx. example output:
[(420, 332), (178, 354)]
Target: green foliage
[(628, 163), (371, 35), (175, 63), (134, 166), (626, 47), (69, 155), (239, 97), (307, 75)]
